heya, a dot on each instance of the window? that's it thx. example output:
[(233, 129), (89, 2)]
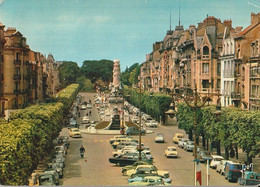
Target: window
[(205, 68), (17, 71), (218, 68), (223, 49), (218, 83), (205, 83), (17, 56), (205, 50)]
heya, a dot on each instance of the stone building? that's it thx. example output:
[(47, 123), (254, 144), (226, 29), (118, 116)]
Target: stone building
[(2, 42), (15, 68), (247, 65)]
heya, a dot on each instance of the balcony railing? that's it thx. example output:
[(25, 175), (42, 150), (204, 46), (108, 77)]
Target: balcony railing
[(17, 77), (228, 74), (17, 62), (235, 95)]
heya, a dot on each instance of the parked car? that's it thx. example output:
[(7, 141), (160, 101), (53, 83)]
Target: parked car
[(62, 148), (64, 140), (188, 146), (89, 106), (147, 118), (182, 142), (47, 179), (249, 178), (121, 145), (150, 181), (75, 133), (232, 171), (215, 160), (151, 123), (112, 140), (119, 140), (171, 151), (58, 156), (128, 159), (133, 166), (83, 107), (221, 166), (56, 175), (177, 137), (159, 138), (124, 150), (132, 172), (134, 130), (85, 120), (57, 167)]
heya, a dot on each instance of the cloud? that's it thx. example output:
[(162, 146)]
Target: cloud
[(253, 5)]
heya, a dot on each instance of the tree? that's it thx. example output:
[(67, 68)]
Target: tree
[(101, 69), (68, 73)]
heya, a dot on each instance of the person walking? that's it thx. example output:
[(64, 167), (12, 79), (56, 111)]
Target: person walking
[(82, 151)]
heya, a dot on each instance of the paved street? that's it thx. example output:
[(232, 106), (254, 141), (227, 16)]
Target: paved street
[(97, 170)]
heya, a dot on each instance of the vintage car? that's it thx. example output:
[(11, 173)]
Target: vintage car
[(85, 120), (134, 130), (232, 171), (133, 166), (132, 172), (89, 106), (151, 123), (159, 138), (215, 160), (47, 179), (121, 140), (182, 142), (83, 107), (57, 167), (249, 178), (150, 181), (56, 175), (124, 150), (129, 158), (112, 140), (221, 166), (75, 133), (171, 151), (62, 148), (177, 137), (188, 146)]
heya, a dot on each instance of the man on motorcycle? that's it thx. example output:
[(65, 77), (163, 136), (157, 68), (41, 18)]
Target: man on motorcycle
[(82, 151)]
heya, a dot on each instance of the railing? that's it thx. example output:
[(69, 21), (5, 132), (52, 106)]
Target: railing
[(17, 77), (235, 95)]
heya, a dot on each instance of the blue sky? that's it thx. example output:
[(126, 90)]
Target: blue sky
[(78, 30)]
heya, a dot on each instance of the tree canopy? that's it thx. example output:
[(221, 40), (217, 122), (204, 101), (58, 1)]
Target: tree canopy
[(68, 73)]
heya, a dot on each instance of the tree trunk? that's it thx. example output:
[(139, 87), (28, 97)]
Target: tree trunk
[(236, 151), (190, 134), (249, 159), (218, 148), (226, 153), (203, 141)]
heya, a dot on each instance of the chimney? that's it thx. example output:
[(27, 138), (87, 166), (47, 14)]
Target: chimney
[(238, 29), (255, 18), (191, 27), (228, 23)]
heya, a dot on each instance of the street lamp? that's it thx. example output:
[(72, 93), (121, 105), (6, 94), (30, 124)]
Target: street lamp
[(194, 105)]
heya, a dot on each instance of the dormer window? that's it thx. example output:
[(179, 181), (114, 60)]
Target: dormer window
[(205, 52)]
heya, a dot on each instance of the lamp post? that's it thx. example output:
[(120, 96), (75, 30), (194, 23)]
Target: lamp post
[(194, 105)]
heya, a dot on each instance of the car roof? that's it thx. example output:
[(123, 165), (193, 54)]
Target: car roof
[(74, 129), (153, 177), (171, 147), (216, 156)]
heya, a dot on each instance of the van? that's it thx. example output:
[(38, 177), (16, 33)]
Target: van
[(232, 171)]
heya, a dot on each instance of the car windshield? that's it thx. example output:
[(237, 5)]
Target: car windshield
[(75, 130), (218, 159), (172, 149)]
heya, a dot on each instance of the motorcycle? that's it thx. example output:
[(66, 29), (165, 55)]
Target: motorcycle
[(82, 154)]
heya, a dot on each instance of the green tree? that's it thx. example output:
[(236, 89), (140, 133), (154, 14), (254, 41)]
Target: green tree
[(98, 69), (68, 73)]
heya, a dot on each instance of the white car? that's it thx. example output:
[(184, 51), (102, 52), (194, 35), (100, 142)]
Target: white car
[(159, 138), (221, 166), (83, 107), (89, 106), (85, 120), (215, 160), (182, 142), (151, 123)]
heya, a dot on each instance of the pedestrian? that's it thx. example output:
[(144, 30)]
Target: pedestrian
[(78, 114), (82, 151), (90, 113)]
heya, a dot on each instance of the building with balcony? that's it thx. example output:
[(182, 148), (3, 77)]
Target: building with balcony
[(15, 69), (247, 64)]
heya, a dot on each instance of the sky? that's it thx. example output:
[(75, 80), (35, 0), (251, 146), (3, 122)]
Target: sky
[(78, 30)]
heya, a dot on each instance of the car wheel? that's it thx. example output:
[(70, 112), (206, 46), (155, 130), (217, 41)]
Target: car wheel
[(115, 155), (124, 172)]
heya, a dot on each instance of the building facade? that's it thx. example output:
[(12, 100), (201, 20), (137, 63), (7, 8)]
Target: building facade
[(213, 58), (2, 42)]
